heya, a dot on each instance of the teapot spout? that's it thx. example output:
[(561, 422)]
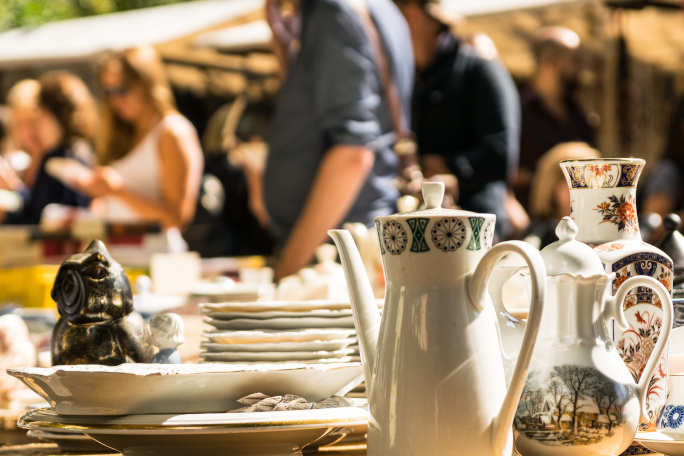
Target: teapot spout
[(365, 310)]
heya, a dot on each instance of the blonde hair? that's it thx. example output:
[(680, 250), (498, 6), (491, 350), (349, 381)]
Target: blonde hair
[(24, 94), (139, 65), (549, 174)]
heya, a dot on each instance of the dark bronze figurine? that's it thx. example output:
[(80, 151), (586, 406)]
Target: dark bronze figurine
[(98, 324)]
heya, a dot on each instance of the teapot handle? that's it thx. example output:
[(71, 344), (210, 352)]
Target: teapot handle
[(614, 309), (477, 288)]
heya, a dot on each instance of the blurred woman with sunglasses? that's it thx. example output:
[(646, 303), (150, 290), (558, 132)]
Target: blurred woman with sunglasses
[(150, 156)]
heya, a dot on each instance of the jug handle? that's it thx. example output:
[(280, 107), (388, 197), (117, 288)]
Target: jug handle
[(614, 309), (477, 287)]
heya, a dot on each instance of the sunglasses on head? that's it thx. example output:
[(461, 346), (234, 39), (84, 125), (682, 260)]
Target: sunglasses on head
[(116, 91)]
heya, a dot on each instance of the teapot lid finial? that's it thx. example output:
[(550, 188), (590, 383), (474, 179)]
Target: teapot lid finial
[(433, 194), (567, 230)]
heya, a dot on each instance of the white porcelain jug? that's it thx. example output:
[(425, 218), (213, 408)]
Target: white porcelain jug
[(579, 397), (434, 364)]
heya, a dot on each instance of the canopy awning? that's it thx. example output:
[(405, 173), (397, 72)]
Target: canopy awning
[(83, 38), (473, 8), (242, 38)]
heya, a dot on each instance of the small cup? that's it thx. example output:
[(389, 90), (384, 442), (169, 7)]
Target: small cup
[(671, 418)]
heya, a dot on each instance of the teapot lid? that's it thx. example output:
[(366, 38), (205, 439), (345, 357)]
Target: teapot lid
[(569, 256), (433, 194)]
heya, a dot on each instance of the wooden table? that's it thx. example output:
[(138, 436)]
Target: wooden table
[(49, 449)]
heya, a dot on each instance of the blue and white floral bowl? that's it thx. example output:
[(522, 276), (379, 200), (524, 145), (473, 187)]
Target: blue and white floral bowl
[(671, 419)]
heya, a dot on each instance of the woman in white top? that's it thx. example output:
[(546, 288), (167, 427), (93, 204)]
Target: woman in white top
[(150, 156)]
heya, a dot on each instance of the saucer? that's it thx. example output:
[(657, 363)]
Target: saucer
[(283, 433), (275, 336), (315, 345), (281, 323), (661, 443), (320, 313), (261, 357), (276, 306)]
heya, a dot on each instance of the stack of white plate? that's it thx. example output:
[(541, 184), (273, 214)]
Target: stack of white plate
[(280, 331), (226, 290), (176, 410)]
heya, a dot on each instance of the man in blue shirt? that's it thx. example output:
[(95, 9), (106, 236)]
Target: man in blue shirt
[(331, 159)]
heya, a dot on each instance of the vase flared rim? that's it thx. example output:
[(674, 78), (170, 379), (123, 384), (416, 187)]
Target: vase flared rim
[(605, 160)]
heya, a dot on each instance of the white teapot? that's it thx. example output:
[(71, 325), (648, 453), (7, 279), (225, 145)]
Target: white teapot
[(434, 365), (579, 398)]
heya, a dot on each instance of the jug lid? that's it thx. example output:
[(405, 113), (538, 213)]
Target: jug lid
[(569, 256)]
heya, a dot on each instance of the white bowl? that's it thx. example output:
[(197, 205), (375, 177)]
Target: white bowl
[(182, 388)]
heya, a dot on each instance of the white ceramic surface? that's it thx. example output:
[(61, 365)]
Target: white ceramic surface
[(240, 292), (675, 363), (281, 323), (259, 337), (245, 434), (279, 306), (181, 388), (579, 398), (315, 345), (344, 359), (258, 357), (677, 341), (661, 443), (319, 313), (671, 419), (154, 303), (433, 364)]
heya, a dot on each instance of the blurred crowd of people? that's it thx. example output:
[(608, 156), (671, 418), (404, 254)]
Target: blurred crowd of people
[(376, 96)]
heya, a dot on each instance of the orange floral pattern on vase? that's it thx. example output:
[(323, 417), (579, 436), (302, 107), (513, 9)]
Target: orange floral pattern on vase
[(609, 247), (621, 212)]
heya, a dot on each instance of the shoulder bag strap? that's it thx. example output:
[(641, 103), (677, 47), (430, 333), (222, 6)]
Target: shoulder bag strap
[(404, 146)]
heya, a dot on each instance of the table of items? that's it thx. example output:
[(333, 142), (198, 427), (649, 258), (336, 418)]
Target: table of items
[(52, 450), (49, 449)]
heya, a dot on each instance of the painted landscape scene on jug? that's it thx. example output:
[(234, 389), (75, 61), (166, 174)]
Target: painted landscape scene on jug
[(570, 405)]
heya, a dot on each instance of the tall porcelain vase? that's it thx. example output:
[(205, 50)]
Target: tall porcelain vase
[(602, 195)]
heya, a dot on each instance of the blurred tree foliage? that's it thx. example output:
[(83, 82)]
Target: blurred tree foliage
[(20, 13)]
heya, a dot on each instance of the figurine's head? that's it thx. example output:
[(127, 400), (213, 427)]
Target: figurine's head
[(167, 330), (92, 287)]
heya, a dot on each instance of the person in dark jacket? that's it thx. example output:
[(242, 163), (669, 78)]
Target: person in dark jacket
[(466, 112), (550, 112)]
